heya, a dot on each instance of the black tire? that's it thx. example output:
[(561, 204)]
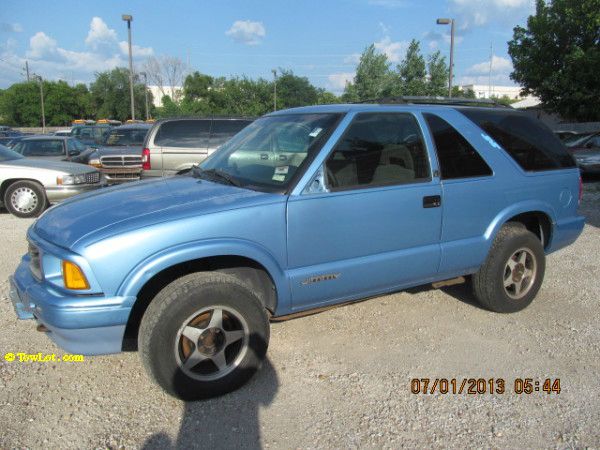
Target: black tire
[(512, 242), (162, 345), (33, 191)]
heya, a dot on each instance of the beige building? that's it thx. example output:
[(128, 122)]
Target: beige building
[(485, 91), (157, 94)]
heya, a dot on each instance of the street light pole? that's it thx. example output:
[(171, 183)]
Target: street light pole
[(146, 92), (274, 89), (451, 23), (128, 18), (41, 81)]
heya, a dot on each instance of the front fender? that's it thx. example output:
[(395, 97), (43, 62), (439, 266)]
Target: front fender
[(169, 257)]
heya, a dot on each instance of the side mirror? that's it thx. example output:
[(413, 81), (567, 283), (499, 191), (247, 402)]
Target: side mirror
[(74, 153), (589, 144)]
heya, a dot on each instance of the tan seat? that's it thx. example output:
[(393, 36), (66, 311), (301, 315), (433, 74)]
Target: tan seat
[(395, 166)]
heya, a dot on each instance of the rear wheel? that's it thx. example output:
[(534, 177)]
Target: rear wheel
[(25, 199), (203, 335), (513, 272)]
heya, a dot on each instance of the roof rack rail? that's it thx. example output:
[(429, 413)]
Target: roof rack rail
[(423, 100)]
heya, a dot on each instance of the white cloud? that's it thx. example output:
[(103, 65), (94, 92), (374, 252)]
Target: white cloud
[(499, 65), (47, 58), (138, 52), (10, 27), (477, 13), (99, 34), (41, 45), (394, 50), (353, 58), (247, 32), (480, 73), (337, 81)]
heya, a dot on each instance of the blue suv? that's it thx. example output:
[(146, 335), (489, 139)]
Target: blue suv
[(303, 209)]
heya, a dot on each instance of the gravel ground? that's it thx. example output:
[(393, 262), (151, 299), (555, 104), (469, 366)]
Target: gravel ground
[(341, 378)]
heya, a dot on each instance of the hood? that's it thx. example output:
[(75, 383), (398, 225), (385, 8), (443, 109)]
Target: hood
[(60, 166), (112, 210)]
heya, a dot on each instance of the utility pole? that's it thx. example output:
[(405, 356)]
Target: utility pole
[(128, 18), (27, 70), (274, 89), (41, 81), (145, 75), (490, 74), (451, 23)]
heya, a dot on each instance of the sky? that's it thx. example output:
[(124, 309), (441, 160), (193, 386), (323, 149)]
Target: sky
[(322, 40)]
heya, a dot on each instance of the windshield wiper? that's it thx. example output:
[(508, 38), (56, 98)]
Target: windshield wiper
[(214, 175)]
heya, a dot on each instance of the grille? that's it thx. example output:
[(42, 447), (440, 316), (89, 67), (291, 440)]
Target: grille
[(121, 161), (92, 177), (34, 263)]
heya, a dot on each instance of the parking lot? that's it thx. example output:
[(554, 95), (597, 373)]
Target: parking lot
[(340, 378)]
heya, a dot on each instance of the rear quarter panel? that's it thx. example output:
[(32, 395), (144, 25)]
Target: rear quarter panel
[(474, 209)]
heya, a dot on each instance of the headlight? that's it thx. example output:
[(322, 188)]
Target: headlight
[(71, 179), (94, 162)]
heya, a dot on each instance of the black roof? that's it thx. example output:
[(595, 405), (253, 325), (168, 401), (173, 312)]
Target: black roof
[(423, 100)]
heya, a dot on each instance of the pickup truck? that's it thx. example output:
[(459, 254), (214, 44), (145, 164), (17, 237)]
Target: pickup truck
[(304, 208)]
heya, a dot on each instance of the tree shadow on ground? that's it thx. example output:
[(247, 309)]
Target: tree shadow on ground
[(590, 205), (229, 421)]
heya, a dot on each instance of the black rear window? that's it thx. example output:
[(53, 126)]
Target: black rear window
[(187, 133), (527, 140), (225, 129)]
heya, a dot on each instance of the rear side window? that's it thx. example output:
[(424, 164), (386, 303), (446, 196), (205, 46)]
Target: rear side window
[(41, 148), (527, 140), (183, 133), (458, 158), (223, 130)]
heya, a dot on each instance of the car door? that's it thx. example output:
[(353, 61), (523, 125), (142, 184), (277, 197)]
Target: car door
[(183, 143), (376, 226)]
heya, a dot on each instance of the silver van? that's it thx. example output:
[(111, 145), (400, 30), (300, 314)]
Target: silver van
[(174, 145)]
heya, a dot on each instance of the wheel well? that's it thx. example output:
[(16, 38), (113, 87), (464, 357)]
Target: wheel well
[(538, 223), (253, 274), (6, 183)]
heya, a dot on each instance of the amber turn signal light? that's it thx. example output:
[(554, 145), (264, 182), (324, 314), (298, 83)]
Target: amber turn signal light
[(73, 277)]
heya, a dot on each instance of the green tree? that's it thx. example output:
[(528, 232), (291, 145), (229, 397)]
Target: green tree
[(438, 75), (412, 71), (295, 91), (457, 92), (373, 77), (557, 57), (20, 104), (326, 98), (110, 95)]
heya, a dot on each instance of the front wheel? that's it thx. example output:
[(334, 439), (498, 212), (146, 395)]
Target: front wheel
[(513, 272), (25, 199), (203, 335)]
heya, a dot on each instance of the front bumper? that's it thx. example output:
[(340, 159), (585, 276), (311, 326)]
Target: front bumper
[(57, 193), (86, 324)]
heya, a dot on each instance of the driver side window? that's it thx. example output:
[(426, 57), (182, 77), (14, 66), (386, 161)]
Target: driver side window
[(378, 149)]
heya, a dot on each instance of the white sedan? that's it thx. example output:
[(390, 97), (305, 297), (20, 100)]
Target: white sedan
[(28, 186)]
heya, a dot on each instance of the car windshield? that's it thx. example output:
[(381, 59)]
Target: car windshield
[(267, 153), (126, 136), (6, 154), (89, 132)]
